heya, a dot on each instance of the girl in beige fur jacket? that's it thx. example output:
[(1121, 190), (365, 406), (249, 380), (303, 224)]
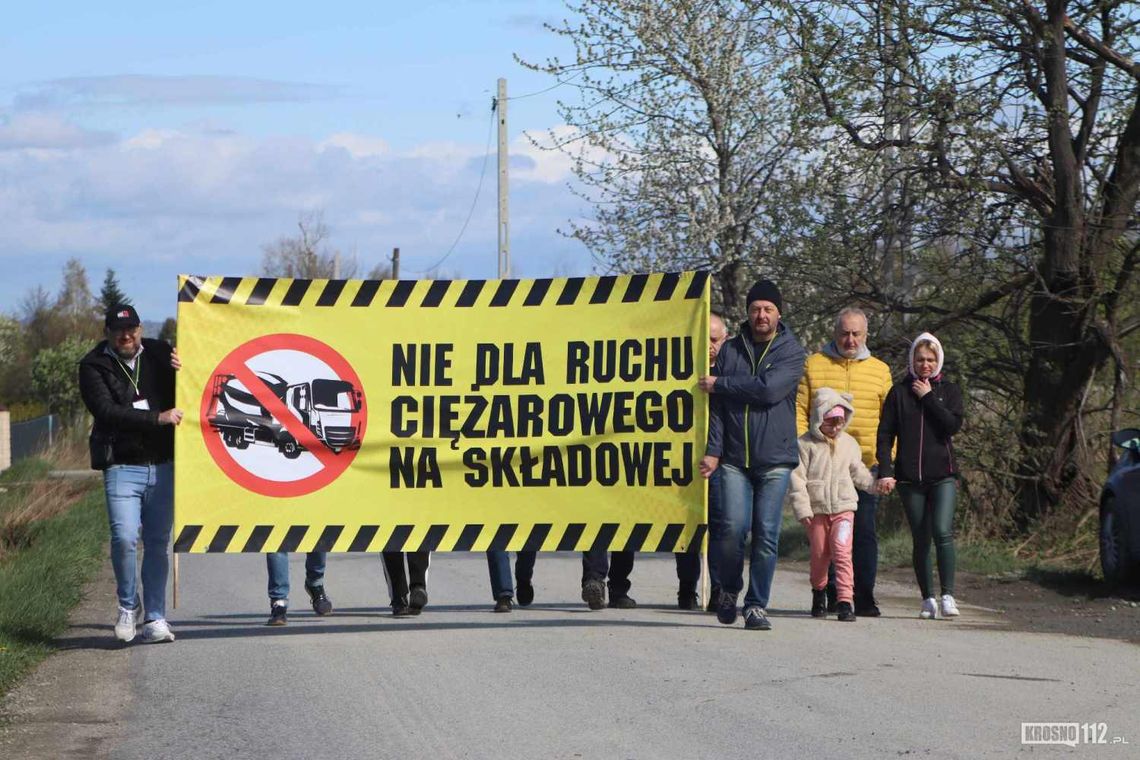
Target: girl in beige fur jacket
[(822, 496)]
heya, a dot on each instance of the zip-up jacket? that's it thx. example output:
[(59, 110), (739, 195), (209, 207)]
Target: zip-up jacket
[(752, 420), (830, 469), (135, 435), (865, 377), (923, 428)]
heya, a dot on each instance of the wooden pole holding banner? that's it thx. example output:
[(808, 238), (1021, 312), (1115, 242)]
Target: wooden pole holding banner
[(174, 595), (706, 582)]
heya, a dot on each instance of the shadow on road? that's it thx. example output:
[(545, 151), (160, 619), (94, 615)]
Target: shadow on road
[(370, 619)]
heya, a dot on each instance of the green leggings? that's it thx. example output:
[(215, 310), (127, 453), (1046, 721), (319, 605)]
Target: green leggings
[(930, 512)]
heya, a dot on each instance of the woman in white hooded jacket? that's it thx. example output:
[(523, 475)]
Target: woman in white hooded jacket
[(915, 448)]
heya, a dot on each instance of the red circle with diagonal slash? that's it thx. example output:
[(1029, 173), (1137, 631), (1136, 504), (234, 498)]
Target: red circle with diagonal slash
[(236, 363)]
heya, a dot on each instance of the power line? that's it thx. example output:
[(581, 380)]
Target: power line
[(554, 86), (475, 200)]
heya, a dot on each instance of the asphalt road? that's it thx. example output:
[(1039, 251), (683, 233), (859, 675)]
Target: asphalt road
[(556, 680)]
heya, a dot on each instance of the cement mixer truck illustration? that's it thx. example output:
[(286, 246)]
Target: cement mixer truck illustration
[(325, 407)]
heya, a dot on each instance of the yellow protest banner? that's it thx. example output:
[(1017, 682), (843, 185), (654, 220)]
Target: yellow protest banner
[(365, 415)]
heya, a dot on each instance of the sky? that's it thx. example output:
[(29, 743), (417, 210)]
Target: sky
[(160, 138)]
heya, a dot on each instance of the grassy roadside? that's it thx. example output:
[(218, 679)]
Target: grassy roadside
[(978, 555), (52, 538)]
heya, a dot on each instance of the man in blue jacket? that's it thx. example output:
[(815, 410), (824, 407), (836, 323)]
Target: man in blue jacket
[(752, 439)]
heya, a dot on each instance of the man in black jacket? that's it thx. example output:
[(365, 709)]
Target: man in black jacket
[(127, 383), (752, 440)]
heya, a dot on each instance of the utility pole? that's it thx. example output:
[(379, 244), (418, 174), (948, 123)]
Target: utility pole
[(504, 211), (395, 263)]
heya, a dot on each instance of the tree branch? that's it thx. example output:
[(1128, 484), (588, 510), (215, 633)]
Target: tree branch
[(1118, 59)]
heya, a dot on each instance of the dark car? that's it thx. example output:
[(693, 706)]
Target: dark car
[(1120, 512)]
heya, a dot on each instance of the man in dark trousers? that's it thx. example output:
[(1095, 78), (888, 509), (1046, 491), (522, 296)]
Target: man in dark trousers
[(689, 564), (127, 383), (408, 598), (602, 569)]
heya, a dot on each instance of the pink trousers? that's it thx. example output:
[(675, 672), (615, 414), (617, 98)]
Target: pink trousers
[(830, 537)]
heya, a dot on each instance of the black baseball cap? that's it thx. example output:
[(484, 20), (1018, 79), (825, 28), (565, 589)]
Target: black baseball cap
[(120, 316)]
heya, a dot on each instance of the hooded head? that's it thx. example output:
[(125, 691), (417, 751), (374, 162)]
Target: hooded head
[(823, 401), (930, 343)]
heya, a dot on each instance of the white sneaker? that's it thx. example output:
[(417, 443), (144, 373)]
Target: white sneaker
[(949, 608), (929, 609), (156, 631), (125, 626)]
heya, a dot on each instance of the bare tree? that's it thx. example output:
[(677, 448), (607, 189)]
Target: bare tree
[(1016, 126), (307, 254), (684, 137)]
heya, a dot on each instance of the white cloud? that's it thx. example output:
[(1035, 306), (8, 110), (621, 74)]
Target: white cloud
[(48, 132), (357, 145), (165, 201), (549, 162)]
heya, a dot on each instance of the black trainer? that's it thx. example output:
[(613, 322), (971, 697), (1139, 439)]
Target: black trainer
[(714, 599), (862, 609), (525, 593), (832, 597), (622, 602), (726, 608), (503, 604), (278, 613), (400, 607), (418, 600), (846, 614), (594, 594), (756, 620), (687, 600), (322, 605), (818, 603)]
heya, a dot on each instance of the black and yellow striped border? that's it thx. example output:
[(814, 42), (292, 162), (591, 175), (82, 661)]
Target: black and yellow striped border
[(563, 291), (427, 294), (376, 538)]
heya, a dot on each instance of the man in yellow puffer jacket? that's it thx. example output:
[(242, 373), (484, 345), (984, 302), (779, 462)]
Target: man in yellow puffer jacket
[(846, 365)]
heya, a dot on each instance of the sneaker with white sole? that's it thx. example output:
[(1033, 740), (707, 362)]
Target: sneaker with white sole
[(929, 609), (756, 620), (949, 606), (126, 624), (156, 631)]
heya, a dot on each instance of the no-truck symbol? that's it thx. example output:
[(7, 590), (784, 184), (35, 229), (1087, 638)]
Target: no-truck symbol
[(283, 415)]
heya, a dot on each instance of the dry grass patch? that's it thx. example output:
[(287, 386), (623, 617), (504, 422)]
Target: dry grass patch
[(30, 496)]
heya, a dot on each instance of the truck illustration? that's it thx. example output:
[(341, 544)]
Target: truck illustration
[(323, 406)]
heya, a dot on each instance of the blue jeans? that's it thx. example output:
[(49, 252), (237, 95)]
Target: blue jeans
[(140, 497), (277, 563), (499, 566), (751, 500)]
